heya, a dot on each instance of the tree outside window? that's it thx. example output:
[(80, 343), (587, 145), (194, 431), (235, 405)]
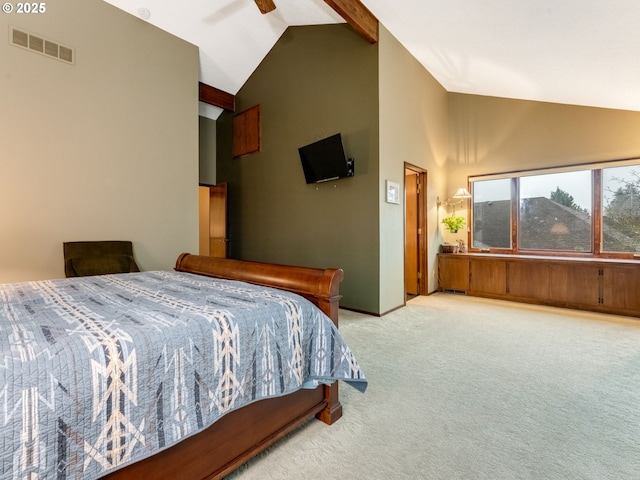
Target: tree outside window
[(556, 218), (621, 209), (547, 212)]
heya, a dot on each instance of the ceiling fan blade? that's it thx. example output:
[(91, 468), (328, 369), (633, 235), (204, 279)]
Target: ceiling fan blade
[(265, 6)]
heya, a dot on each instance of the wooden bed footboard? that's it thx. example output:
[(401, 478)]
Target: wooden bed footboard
[(243, 433)]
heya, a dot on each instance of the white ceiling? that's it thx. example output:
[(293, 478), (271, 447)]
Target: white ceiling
[(581, 52)]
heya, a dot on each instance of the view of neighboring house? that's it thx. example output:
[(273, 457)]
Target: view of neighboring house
[(548, 225)]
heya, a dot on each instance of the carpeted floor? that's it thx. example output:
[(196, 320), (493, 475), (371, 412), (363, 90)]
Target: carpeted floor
[(468, 388)]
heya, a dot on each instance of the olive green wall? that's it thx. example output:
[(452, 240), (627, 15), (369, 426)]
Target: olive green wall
[(208, 146), (316, 81)]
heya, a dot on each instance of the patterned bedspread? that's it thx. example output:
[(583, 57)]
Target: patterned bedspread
[(98, 372)]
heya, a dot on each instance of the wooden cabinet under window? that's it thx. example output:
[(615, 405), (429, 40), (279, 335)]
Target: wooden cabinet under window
[(488, 278), (608, 286), (574, 284), (454, 273), (529, 280), (621, 287)]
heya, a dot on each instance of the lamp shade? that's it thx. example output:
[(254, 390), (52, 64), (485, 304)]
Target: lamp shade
[(462, 193)]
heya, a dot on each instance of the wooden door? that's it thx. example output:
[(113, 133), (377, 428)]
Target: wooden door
[(213, 220), (411, 234), (203, 220)]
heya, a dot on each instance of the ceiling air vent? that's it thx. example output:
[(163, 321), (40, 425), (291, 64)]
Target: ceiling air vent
[(44, 46)]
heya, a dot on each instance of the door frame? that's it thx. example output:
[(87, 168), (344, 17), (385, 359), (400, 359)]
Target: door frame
[(423, 282)]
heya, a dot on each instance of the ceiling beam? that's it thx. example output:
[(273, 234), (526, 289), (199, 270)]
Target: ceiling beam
[(358, 16), (217, 97), (265, 6)]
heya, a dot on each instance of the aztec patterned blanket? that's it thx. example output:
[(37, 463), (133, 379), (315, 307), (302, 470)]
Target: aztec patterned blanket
[(98, 372)]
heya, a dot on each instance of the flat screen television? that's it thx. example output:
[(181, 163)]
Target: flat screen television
[(325, 160)]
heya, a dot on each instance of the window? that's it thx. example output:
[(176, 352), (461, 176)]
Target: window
[(555, 212), (578, 211), (492, 214), (621, 209)]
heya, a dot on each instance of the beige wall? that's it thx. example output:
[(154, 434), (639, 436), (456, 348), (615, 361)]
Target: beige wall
[(413, 129), (492, 135), (105, 149), (495, 135)]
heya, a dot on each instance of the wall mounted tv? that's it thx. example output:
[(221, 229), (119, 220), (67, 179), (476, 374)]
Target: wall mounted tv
[(325, 160)]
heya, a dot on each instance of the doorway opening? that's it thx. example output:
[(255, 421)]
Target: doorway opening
[(213, 220), (416, 279)]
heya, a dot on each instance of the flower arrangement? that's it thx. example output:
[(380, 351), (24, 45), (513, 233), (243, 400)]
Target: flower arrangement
[(454, 223)]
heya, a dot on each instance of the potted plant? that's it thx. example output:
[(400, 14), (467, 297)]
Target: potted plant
[(453, 223)]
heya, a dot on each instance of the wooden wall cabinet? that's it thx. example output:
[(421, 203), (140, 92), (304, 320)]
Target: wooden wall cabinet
[(607, 286)]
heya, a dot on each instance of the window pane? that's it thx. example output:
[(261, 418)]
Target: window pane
[(555, 212), (491, 214), (621, 209)]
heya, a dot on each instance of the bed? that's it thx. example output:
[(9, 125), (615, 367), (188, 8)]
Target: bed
[(183, 374)]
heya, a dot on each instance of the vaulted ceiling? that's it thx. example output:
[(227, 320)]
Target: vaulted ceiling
[(570, 51)]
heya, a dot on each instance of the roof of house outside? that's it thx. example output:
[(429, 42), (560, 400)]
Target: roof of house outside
[(543, 225)]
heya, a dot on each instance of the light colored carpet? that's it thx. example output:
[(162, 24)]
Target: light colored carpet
[(468, 388)]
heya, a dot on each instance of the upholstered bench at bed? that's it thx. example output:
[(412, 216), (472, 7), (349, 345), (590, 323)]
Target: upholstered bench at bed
[(98, 258)]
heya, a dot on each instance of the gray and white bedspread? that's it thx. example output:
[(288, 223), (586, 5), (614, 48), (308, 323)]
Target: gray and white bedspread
[(99, 372)]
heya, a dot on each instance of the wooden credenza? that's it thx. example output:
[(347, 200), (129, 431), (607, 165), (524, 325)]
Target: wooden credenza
[(601, 285)]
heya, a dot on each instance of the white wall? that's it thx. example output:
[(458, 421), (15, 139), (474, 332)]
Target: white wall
[(103, 150), (413, 129)]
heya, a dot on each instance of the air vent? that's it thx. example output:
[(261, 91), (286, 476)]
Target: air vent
[(43, 46)]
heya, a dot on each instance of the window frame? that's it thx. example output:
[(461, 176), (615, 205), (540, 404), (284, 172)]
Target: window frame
[(596, 211)]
